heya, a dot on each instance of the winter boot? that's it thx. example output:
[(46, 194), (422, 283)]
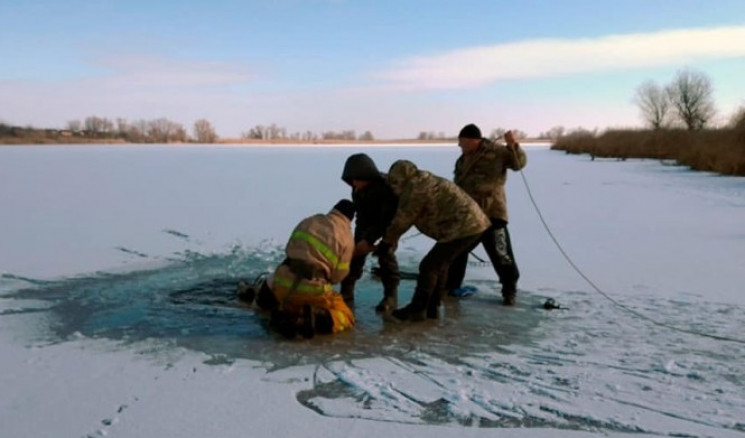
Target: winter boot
[(508, 295), (433, 311), (408, 313), (386, 305)]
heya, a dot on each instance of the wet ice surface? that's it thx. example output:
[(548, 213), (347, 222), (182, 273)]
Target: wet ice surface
[(480, 365), (193, 304)]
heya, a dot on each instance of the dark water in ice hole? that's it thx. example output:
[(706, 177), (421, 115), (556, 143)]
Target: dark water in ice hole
[(191, 303)]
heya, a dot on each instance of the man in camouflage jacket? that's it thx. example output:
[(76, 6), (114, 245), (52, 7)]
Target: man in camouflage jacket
[(442, 211), (481, 171)]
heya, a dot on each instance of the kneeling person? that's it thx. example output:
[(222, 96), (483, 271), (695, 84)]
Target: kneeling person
[(299, 293)]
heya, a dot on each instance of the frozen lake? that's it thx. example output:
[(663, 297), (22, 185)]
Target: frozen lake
[(141, 247)]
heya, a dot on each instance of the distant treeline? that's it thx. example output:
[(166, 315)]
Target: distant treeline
[(714, 150), (26, 135), (95, 129), (101, 130)]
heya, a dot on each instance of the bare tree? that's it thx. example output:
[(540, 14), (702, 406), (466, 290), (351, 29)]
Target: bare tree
[(691, 95), (738, 118), (255, 133), (367, 136), (497, 133), (158, 130), (204, 132), (555, 133), (98, 125), (262, 132), (163, 131), (122, 126), (178, 133), (339, 135), (74, 125), (432, 135), (654, 104), (138, 131)]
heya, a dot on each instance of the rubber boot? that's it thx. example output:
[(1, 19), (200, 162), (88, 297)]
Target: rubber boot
[(409, 313), (386, 305), (390, 299), (509, 294)]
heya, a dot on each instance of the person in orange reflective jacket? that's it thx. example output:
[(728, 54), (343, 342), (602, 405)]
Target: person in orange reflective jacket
[(299, 293)]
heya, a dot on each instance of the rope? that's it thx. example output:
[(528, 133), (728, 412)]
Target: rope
[(480, 261), (598, 290)]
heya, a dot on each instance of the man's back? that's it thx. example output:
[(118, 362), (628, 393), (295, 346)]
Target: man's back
[(483, 173), (325, 242)]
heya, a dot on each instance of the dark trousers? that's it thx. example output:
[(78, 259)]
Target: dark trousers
[(390, 276), (265, 298), (497, 244), (433, 273)]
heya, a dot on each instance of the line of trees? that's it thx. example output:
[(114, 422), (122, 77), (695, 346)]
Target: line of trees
[(160, 130), (274, 132), (553, 134), (163, 130), (493, 134)]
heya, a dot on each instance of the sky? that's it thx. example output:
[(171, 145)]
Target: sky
[(394, 68)]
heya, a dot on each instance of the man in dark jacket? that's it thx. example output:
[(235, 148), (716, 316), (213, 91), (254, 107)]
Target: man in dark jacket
[(375, 204)]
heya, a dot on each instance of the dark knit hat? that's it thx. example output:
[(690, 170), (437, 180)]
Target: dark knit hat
[(345, 207), (470, 131)]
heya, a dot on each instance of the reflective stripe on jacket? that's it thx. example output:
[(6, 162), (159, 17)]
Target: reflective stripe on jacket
[(327, 252)]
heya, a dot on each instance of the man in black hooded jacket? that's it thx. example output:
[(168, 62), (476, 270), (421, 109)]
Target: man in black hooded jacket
[(375, 204)]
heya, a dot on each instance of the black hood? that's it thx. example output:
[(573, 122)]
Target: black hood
[(362, 167)]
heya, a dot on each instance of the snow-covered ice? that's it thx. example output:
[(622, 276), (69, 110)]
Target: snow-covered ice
[(117, 316)]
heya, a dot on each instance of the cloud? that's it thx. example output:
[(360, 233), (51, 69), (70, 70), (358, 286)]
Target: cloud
[(480, 66), (151, 71)]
